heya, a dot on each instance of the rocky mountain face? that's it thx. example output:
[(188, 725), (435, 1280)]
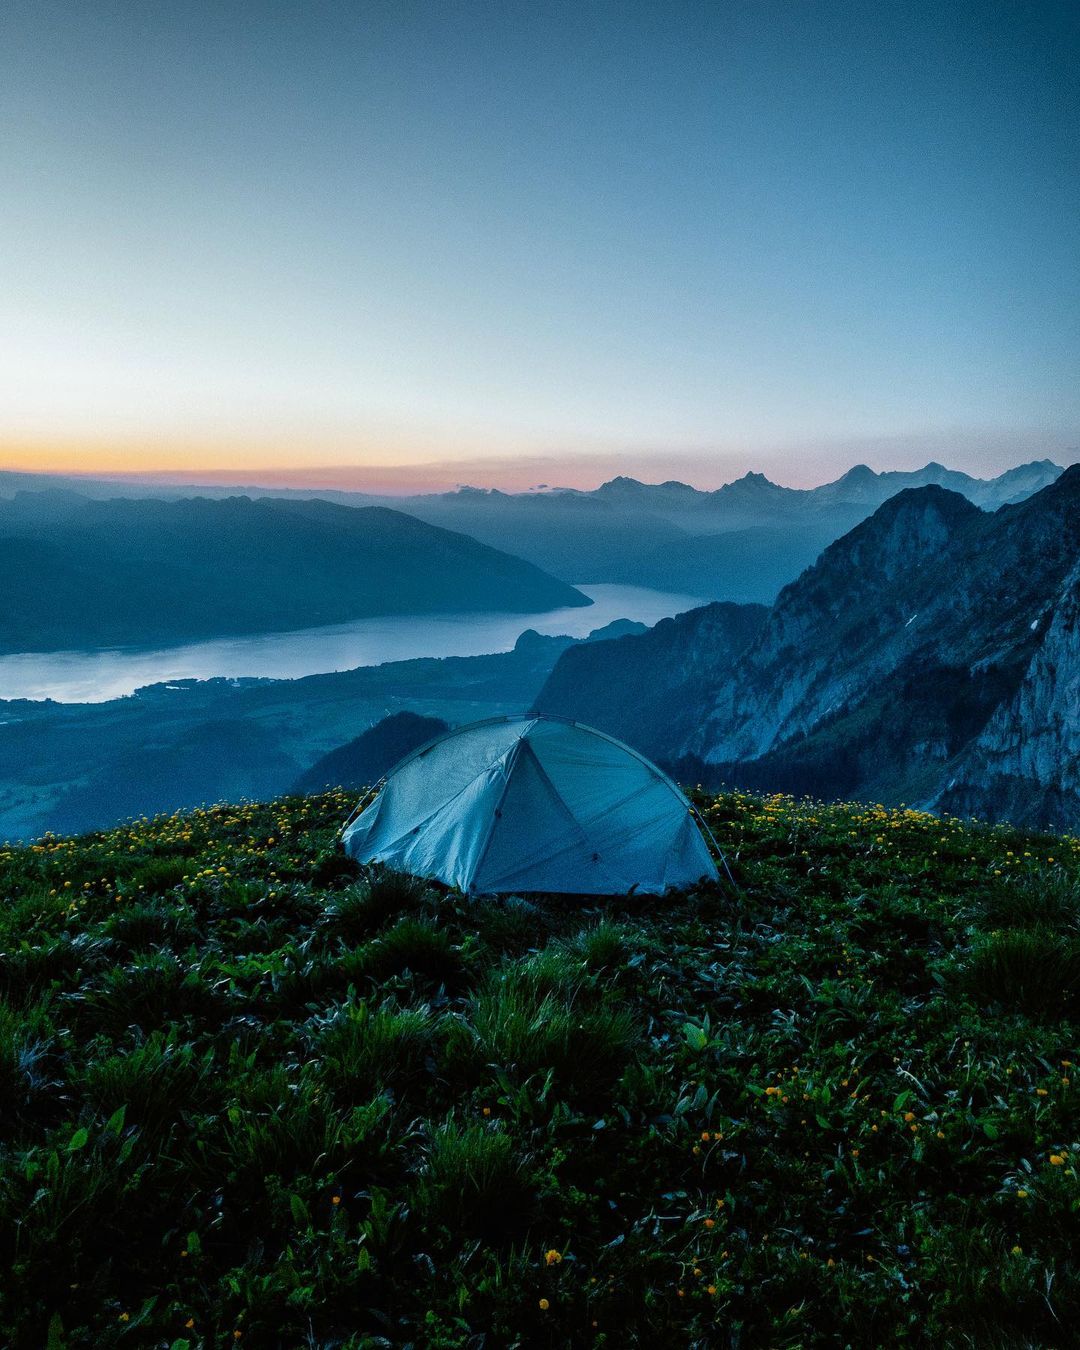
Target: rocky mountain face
[(639, 687), (1025, 763), (932, 654)]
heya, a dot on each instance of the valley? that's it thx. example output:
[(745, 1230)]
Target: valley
[(926, 655), (79, 766)]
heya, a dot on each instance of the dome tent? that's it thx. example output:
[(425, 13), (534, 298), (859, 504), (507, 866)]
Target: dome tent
[(533, 804)]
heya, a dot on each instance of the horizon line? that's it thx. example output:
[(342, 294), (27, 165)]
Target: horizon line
[(346, 478)]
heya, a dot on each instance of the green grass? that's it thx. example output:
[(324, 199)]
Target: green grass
[(475, 1180), (249, 1095)]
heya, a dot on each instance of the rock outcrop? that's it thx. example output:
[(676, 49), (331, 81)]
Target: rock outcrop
[(1025, 764), (932, 654)]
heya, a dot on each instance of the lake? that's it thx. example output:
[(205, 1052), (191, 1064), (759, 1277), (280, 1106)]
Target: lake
[(93, 676)]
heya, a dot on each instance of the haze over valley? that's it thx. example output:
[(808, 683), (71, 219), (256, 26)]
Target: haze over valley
[(146, 572), (915, 610)]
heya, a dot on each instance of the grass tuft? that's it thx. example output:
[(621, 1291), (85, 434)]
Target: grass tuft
[(415, 945), (363, 1050), (603, 947), (1052, 901), (362, 909), (474, 1180), (157, 1082), (1030, 970), (535, 1021)]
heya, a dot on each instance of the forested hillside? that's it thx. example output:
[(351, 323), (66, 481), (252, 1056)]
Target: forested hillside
[(86, 573)]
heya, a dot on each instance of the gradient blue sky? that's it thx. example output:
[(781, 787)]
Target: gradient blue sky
[(565, 238)]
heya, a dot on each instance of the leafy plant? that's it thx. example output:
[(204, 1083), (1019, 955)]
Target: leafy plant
[(26, 1049), (157, 1082)]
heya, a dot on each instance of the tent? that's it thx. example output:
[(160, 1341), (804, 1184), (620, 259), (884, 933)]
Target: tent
[(533, 804)]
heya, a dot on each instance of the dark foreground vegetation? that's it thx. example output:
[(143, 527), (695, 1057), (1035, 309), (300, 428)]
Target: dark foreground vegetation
[(250, 1097)]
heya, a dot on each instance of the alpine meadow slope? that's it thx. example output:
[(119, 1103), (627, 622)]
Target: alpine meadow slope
[(251, 1096)]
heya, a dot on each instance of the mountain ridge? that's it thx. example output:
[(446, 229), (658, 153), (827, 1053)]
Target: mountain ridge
[(740, 542), (676, 537), (123, 572), (921, 651)]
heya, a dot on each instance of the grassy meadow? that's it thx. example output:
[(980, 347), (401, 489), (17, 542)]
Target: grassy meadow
[(249, 1096)]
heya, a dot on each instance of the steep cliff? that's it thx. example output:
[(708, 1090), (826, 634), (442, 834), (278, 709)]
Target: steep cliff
[(930, 655), (649, 689), (1025, 764)]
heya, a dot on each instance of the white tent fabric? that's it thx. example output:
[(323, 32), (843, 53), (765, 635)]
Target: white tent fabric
[(533, 804)]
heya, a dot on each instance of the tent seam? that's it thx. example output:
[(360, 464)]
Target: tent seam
[(426, 820), (546, 777)]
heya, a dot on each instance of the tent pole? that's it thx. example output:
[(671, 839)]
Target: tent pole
[(366, 799), (712, 840)]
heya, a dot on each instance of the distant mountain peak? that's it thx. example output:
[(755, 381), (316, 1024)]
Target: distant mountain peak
[(624, 486), (753, 482), (469, 490), (622, 483)]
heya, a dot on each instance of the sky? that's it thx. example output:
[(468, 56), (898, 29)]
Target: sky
[(507, 244)]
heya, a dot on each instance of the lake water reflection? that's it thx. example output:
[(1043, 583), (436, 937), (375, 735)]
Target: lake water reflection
[(91, 677)]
